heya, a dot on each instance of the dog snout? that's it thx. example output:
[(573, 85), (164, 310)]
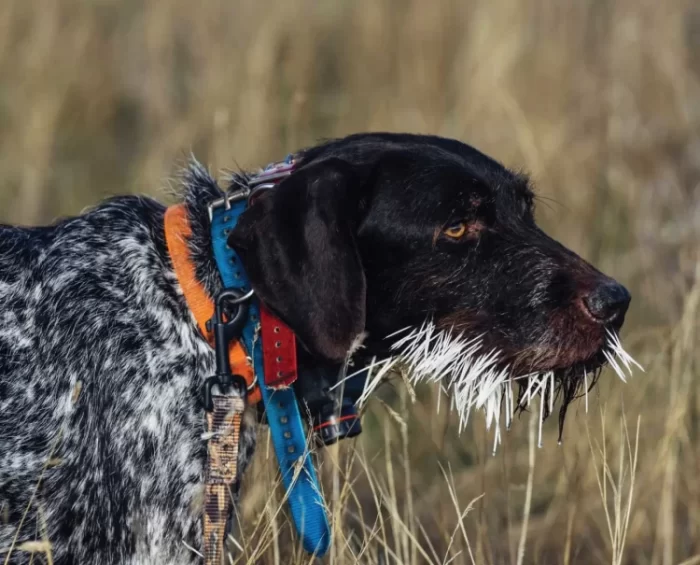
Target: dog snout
[(608, 302)]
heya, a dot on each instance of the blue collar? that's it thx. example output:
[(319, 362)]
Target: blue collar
[(284, 419)]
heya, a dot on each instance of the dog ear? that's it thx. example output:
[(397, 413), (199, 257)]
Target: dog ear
[(297, 243)]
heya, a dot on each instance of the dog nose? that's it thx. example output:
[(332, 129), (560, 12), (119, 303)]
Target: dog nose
[(608, 302)]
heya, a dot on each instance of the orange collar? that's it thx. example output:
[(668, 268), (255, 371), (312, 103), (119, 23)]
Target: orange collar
[(177, 232)]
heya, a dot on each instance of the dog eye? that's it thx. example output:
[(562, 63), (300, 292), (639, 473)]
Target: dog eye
[(462, 230), (455, 230)]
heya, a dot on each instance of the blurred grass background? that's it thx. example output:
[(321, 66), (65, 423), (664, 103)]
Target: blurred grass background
[(598, 99)]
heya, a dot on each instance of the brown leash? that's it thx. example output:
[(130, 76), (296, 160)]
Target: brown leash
[(223, 433)]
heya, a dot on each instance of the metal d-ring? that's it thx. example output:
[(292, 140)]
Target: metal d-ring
[(232, 297), (243, 298), (258, 189)]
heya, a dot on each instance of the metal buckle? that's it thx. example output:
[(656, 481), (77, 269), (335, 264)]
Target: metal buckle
[(226, 201), (262, 181)]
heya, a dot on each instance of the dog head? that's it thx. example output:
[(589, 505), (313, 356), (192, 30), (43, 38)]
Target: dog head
[(376, 233)]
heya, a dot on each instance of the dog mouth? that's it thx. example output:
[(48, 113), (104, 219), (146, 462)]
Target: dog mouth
[(478, 378), (566, 384)]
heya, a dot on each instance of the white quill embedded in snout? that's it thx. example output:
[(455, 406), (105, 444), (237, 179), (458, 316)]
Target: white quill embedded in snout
[(472, 376)]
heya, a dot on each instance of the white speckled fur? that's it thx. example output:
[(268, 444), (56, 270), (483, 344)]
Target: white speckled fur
[(100, 368)]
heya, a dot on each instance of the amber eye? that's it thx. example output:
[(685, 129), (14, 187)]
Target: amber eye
[(455, 230)]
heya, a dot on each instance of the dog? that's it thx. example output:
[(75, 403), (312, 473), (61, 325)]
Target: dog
[(409, 243)]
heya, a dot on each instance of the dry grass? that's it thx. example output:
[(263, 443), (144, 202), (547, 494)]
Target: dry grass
[(596, 98)]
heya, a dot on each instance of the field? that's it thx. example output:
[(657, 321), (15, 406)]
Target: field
[(597, 99)]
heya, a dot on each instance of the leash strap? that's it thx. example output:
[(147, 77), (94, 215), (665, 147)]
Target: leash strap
[(223, 430), (279, 364)]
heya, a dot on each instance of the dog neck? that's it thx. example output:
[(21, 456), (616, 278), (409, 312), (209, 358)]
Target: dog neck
[(198, 190)]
